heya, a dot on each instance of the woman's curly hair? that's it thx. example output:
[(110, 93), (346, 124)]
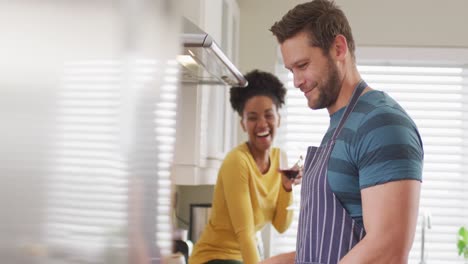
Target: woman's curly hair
[(259, 83)]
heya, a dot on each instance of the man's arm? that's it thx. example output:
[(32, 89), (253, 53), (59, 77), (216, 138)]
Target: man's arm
[(390, 212), (285, 258)]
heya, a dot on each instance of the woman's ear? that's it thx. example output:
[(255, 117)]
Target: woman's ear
[(279, 120), (242, 124)]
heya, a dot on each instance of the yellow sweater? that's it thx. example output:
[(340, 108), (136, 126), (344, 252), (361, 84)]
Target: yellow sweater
[(244, 201)]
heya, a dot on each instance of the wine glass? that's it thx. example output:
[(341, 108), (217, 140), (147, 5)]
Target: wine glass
[(291, 171)]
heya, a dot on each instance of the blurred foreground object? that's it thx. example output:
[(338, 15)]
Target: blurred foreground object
[(87, 110)]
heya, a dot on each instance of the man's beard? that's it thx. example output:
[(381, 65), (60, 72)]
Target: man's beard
[(330, 89)]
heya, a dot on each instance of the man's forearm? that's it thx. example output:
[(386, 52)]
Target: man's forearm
[(368, 251)]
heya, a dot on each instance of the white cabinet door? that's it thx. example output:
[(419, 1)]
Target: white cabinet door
[(207, 126)]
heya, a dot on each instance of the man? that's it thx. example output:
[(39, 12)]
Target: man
[(360, 189)]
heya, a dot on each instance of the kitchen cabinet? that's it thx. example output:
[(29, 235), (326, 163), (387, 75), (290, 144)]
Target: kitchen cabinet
[(206, 124)]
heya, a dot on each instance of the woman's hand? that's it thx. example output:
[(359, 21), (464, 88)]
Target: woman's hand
[(289, 182)]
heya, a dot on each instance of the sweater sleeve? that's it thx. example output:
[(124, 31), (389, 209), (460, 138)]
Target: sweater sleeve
[(283, 217), (235, 175)]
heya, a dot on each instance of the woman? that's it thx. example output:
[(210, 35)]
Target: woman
[(250, 192)]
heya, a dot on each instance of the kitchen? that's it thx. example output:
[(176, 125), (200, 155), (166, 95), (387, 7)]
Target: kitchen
[(393, 42), (423, 32)]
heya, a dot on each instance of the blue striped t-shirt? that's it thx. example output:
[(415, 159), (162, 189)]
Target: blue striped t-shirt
[(379, 143)]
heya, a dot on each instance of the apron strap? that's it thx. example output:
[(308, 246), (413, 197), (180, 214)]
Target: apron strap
[(350, 107)]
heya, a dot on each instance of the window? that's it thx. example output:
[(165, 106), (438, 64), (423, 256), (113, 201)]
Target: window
[(435, 94)]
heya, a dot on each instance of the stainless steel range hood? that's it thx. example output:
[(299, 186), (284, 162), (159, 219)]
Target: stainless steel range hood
[(203, 62)]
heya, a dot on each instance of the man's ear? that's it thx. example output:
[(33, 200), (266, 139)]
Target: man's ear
[(340, 47)]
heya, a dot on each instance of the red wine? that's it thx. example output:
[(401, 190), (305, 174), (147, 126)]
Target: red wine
[(290, 173)]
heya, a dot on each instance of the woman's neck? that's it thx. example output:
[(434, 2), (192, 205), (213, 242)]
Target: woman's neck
[(262, 158)]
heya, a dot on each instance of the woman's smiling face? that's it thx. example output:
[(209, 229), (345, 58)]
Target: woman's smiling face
[(260, 120)]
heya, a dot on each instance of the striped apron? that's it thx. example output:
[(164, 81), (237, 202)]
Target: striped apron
[(326, 231)]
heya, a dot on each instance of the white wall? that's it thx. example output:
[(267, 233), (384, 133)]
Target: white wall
[(426, 23)]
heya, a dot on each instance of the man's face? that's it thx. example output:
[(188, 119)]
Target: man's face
[(314, 73)]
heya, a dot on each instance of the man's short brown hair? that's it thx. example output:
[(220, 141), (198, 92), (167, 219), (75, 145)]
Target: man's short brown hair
[(322, 20)]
